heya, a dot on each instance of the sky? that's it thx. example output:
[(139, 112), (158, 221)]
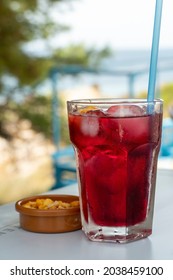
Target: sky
[(119, 24)]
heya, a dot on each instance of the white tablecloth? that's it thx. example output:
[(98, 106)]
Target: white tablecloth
[(16, 243)]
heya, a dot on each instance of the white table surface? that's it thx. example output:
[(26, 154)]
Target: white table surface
[(16, 243)]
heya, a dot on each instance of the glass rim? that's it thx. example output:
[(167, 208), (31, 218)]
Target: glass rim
[(125, 101)]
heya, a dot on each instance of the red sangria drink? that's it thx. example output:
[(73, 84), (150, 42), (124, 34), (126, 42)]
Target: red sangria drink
[(116, 143)]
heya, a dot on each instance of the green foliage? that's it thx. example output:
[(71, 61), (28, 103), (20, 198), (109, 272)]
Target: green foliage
[(78, 54), (165, 93), (37, 109), (22, 22)]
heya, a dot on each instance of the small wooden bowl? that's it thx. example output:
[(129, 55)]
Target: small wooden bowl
[(51, 220)]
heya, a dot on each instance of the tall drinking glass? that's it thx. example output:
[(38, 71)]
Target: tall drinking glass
[(116, 143)]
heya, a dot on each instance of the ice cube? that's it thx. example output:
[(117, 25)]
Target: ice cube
[(90, 126), (90, 122), (126, 111)]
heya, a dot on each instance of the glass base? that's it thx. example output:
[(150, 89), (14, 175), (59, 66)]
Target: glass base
[(117, 234)]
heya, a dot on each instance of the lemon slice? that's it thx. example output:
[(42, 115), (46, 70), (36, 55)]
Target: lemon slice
[(87, 109)]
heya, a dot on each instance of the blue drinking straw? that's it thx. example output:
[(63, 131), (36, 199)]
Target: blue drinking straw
[(154, 50)]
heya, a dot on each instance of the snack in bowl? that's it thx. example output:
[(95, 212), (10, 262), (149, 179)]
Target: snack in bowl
[(48, 203), (49, 213)]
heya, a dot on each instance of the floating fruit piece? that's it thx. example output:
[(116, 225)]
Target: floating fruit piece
[(87, 109)]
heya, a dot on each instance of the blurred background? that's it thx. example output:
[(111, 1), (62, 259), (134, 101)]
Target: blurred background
[(52, 51)]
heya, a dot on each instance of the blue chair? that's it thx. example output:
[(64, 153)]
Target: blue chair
[(64, 167), (167, 138)]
